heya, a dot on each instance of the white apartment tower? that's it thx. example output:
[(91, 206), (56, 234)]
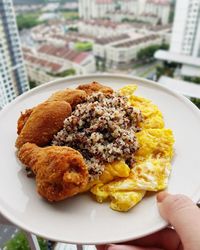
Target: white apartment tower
[(186, 30), (89, 9), (13, 78)]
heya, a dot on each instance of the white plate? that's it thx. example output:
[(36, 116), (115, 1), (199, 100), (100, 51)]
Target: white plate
[(80, 219)]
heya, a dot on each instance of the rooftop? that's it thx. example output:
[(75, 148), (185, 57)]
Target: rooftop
[(112, 39), (132, 42), (178, 58), (52, 67), (185, 88), (64, 52), (100, 22), (159, 2)]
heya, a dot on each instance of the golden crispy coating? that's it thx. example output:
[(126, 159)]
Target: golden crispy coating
[(72, 96), (44, 122), (90, 88), (60, 171), (23, 119)]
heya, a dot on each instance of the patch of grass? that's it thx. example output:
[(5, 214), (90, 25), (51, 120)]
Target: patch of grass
[(70, 15), (83, 46), (68, 72)]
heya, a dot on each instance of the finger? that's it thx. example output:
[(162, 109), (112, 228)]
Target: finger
[(101, 247), (166, 239), (183, 215), (129, 247)]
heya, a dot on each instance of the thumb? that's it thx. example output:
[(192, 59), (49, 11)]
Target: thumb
[(183, 215)]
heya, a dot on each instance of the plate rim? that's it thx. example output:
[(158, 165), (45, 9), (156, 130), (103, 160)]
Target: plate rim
[(156, 227)]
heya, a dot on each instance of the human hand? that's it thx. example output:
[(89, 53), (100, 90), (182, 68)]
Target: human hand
[(182, 214)]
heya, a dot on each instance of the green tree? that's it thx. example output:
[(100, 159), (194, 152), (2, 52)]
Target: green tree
[(147, 53), (196, 101), (20, 242), (27, 21), (192, 79), (32, 84)]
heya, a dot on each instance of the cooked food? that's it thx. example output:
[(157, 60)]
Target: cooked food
[(95, 87), (155, 143), (103, 130), (43, 123), (152, 160), (72, 96), (23, 119), (113, 144), (60, 172)]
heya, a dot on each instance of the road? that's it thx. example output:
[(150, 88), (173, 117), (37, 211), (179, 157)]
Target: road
[(145, 70)]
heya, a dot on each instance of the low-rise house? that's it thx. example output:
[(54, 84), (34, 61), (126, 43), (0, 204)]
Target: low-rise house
[(40, 70), (124, 53), (101, 44), (99, 28), (49, 62)]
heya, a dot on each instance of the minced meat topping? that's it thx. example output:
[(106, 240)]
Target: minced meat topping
[(103, 130)]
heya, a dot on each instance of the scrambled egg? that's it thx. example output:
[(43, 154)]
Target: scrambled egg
[(125, 187)]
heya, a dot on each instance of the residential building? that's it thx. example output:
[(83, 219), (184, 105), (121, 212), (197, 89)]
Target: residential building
[(101, 44), (151, 11), (185, 41), (13, 79), (159, 9), (117, 52), (99, 28), (89, 9), (186, 29), (40, 70), (123, 53), (49, 62)]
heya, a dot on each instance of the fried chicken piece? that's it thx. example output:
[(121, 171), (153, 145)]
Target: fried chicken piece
[(23, 119), (72, 96), (90, 88), (44, 122), (60, 172)]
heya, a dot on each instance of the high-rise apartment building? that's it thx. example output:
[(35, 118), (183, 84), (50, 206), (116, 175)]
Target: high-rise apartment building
[(89, 9), (13, 78), (186, 30)]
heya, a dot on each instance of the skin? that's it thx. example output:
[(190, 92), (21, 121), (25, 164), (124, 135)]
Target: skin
[(182, 214)]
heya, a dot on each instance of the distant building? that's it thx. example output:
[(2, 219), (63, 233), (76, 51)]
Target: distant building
[(159, 9), (89, 9), (50, 62), (120, 51), (13, 78), (186, 29), (185, 41), (99, 28), (151, 11)]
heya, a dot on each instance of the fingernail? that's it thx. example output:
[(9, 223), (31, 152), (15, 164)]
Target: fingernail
[(161, 196)]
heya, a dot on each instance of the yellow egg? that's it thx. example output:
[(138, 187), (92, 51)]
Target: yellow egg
[(116, 169), (128, 90), (99, 192), (124, 201), (155, 143), (124, 187), (150, 175)]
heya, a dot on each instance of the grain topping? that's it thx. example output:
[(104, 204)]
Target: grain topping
[(102, 129)]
